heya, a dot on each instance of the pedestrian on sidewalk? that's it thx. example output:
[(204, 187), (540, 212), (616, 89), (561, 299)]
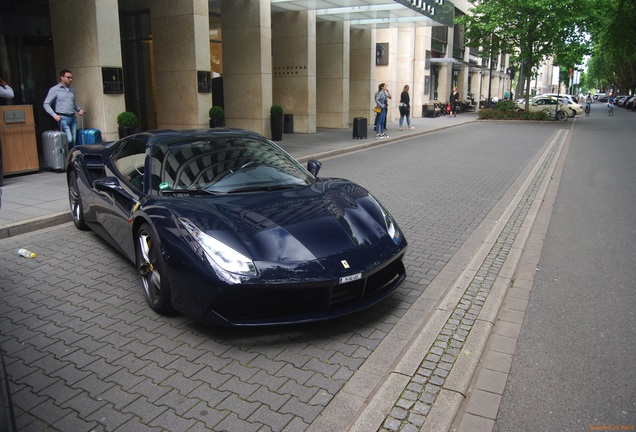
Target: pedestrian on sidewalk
[(5, 90), (382, 101), (454, 101), (405, 107), (375, 123), (60, 104)]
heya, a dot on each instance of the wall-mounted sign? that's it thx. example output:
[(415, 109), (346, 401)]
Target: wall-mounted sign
[(381, 54), (204, 81), (113, 79), (11, 116)]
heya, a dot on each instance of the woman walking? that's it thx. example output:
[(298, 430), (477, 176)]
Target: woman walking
[(405, 107), (454, 101)]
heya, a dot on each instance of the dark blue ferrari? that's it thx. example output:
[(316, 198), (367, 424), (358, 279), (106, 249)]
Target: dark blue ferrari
[(226, 227)]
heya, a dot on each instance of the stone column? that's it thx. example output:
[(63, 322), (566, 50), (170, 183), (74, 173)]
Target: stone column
[(362, 85), (83, 47), (247, 63), (406, 40), (417, 91), (181, 46), (294, 67), (332, 82), (388, 73)]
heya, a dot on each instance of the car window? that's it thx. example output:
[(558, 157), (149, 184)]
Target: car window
[(130, 160), (224, 163)]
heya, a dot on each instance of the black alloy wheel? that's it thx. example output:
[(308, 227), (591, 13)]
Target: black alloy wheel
[(152, 271), (75, 202)]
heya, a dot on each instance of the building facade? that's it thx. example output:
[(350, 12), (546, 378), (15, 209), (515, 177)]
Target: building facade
[(169, 61)]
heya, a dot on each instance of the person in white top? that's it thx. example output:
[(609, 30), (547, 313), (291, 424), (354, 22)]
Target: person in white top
[(5, 90)]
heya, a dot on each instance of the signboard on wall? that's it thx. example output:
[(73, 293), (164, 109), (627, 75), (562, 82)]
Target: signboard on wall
[(381, 54), (204, 81), (113, 80), (427, 84)]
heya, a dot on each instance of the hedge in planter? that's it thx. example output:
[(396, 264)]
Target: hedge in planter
[(217, 116), (127, 122)]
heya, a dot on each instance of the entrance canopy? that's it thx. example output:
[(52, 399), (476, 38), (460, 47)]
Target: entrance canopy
[(370, 14), (456, 63)]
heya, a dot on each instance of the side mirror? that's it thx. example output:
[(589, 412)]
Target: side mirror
[(107, 184), (313, 166)]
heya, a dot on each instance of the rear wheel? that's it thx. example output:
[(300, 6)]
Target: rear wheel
[(561, 116), (75, 202), (152, 271)]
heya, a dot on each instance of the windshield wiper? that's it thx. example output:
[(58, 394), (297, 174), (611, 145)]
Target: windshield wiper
[(268, 188), (187, 191)]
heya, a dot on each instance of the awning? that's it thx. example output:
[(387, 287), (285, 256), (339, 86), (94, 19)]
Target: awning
[(371, 14), (453, 61)]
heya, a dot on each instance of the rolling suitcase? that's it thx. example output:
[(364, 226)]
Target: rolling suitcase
[(359, 127), (87, 136), (55, 148)]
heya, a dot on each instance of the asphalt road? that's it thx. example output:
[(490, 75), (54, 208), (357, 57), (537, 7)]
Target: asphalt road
[(573, 369), (85, 353)]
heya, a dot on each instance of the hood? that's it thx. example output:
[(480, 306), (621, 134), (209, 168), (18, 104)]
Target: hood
[(327, 218)]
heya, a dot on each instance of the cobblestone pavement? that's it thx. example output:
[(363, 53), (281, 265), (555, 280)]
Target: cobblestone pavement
[(85, 353)]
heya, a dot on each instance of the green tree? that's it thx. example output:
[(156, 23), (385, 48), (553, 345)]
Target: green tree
[(529, 30), (613, 37)]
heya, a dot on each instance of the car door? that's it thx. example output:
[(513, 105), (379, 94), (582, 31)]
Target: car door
[(118, 193)]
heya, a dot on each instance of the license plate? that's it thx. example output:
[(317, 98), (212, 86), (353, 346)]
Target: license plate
[(350, 278)]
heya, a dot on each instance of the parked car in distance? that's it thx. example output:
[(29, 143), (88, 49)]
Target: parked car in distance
[(546, 103), (572, 108), (629, 103), (620, 100), (561, 95), (227, 228)]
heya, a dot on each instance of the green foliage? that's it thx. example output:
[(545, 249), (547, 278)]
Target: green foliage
[(508, 106), (506, 113), (127, 120), (613, 37), (276, 110), (529, 30), (216, 113)]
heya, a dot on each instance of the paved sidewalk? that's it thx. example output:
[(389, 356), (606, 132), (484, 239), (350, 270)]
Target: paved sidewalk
[(39, 200)]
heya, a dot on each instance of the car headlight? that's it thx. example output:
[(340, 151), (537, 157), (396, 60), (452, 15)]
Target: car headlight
[(220, 255), (389, 222)]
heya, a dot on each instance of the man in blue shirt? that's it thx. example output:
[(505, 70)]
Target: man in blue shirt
[(60, 104)]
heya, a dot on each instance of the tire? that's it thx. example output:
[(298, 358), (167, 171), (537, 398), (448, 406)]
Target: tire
[(561, 116), (75, 202), (152, 271)]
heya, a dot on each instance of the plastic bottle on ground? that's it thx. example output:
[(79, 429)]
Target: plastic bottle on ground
[(26, 253)]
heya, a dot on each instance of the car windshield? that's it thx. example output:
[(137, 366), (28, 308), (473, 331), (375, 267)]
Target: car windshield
[(224, 164)]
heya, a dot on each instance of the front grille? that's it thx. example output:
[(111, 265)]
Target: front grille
[(274, 304)]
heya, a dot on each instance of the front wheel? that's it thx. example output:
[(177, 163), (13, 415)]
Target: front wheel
[(152, 271), (75, 202), (561, 116)]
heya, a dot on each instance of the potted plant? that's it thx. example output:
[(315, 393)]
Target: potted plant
[(276, 122), (127, 122), (217, 116)]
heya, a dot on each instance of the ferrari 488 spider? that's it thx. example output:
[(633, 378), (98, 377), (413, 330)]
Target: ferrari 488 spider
[(226, 227)]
